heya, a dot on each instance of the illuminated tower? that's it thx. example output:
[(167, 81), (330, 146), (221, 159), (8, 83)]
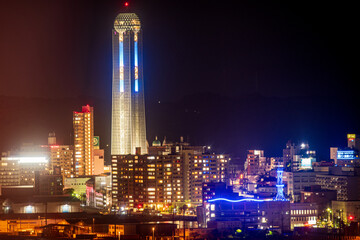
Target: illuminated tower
[(128, 130), (83, 123), (280, 186)]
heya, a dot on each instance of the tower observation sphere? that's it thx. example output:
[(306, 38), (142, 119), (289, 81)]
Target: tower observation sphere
[(128, 130), (127, 21)]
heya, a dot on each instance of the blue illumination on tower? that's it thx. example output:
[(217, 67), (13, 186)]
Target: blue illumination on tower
[(136, 54), (121, 63), (280, 186), (136, 65)]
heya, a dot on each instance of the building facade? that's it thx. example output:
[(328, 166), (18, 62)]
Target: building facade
[(164, 179), (248, 213), (62, 156), (83, 123), (128, 130), (255, 163), (343, 180)]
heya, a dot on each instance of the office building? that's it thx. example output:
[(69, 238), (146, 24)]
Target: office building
[(347, 156), (304, 179), (303, 214), (83, 124), (345, 180), (19, 167), (9, 173), (128, 130)]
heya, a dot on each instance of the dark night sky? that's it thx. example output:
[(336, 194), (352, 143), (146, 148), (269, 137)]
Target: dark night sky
[(227, 49)]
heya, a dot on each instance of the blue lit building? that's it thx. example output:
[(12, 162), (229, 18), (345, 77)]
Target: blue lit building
[(128, 130), (248, 213), (347, 157)]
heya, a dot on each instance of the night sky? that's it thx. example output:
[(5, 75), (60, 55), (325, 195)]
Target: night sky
[(233, 74)]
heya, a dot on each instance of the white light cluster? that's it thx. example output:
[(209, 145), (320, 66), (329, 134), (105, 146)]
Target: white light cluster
[(27, 159)]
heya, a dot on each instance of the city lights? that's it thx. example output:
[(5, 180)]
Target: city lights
[(238, 148), (27, 159)]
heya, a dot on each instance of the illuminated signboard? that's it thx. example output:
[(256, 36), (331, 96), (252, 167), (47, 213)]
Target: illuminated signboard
[(306, 163), (96, 141), (346, 154), (352, 136)]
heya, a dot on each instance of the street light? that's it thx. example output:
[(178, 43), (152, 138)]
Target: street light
[(153, 229)]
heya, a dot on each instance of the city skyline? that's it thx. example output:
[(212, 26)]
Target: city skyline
[(296, 112), (251, 129)]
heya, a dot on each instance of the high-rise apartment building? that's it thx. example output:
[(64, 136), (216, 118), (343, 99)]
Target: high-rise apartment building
[(172, 176), (255, 162), (62, 156), (83, 123), (128, 130)]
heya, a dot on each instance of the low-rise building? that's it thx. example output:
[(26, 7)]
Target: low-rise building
[(349, 210), (321, 197), (303, 214), (248, 213)]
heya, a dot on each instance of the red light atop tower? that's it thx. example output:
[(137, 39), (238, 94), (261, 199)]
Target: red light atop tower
[(126, 4), (351, 218)]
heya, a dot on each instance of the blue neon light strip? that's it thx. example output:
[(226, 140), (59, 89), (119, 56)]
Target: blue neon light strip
[(136, 85), (136, 54), (239, 200), (121, 63), (136, 63)]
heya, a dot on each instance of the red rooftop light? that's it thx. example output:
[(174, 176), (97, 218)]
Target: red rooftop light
[(126, 4)]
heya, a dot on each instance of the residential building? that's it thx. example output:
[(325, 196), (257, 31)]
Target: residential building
[(62, 156), (157, 180), (83, 124), (255, 163)]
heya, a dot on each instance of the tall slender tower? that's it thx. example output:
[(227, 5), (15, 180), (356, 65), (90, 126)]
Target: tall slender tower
[(83, 123), (128, 130)]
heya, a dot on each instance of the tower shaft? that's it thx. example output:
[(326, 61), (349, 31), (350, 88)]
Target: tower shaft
[(128, 108)]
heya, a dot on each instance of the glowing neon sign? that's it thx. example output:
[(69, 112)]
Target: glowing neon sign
[(346, 154), (240, 200)]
